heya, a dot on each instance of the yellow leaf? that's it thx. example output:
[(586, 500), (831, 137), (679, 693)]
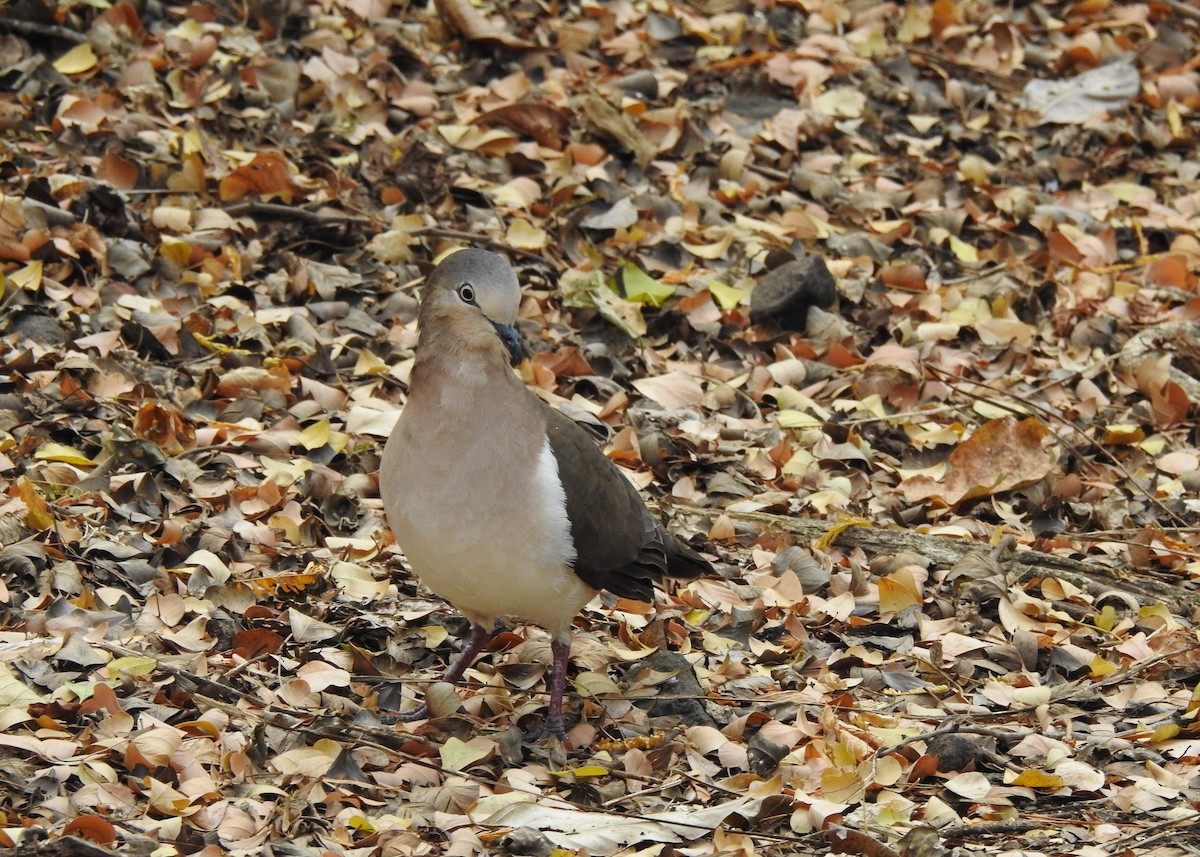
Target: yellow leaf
[(1122, 434), (799, 463), (914, 24), (286, 472), (130, 666), (13, 691), (840, 527), (315, 435), (1036, 779), (1165, 732), (898, 591), (434, 635), (1127, 192), (79, 59), (796, 419), (1175, 120), (1158, 616), (595, 684), (29, 277), (715, 250), (963, 251), (355, 581), (525, 236), (179, 252), (583, 771), (1101, 667), (641, 287), (843, 102), (369, 364), (62, 452), (1106, 619), (974, 169), (841, 786)]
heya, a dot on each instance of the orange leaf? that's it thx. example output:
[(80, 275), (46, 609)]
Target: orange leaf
[(164, 428), (37, 513), (117, 171), (91, 827), (267, 176), (257, 641), (1001, 455), (909, 278), (1169, 271)]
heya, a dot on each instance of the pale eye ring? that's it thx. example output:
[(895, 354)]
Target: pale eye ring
[(466, 292)]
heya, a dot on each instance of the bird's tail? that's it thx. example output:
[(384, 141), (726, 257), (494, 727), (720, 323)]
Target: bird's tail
[(683, 561)]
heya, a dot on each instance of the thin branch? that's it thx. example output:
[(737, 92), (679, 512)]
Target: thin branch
[(48, 31), (288, 212)]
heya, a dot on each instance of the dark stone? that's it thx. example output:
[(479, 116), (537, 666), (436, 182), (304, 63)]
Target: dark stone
[(784, 295), (681, 695), (961, 752)]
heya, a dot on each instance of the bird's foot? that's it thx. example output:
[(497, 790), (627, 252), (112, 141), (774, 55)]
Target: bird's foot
[(552, 727), (421, 712)]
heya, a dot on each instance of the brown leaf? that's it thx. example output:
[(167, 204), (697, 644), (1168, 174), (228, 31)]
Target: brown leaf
[(164, 427), (257, 641), (543, 122), (1001, 455), (843, 840), (614, 123), (461, 17)]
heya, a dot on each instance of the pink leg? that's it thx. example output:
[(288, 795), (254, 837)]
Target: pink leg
[(553, 727), (479, 639)]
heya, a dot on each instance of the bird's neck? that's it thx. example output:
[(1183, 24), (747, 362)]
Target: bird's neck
[(459, 365)]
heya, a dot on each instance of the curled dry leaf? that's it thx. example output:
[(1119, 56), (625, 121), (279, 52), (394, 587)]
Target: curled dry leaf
[(1000, 456), (461, 16)]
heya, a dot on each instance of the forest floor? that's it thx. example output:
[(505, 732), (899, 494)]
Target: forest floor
[(891, 308)]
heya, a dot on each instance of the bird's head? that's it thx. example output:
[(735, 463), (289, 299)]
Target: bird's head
[(474, 295)]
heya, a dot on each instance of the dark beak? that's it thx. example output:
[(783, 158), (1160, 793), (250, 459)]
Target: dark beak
[(512, 341)]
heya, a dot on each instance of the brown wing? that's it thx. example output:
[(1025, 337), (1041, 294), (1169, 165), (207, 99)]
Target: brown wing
[(618, 544)]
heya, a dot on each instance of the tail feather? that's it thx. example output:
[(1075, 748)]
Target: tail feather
[(683, 561)]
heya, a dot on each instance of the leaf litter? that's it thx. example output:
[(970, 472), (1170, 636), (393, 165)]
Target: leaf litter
[(955, 503)]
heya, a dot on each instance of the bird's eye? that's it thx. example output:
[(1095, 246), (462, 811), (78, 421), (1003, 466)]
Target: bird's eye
[(467, 293)]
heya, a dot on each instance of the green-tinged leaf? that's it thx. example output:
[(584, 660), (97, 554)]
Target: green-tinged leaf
[(589, 289), (727, 297), (13, 691), (457, 755), (624, 314), (639, 286), (1158, 616), (963, 251), (130, 666), (62, 452)]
